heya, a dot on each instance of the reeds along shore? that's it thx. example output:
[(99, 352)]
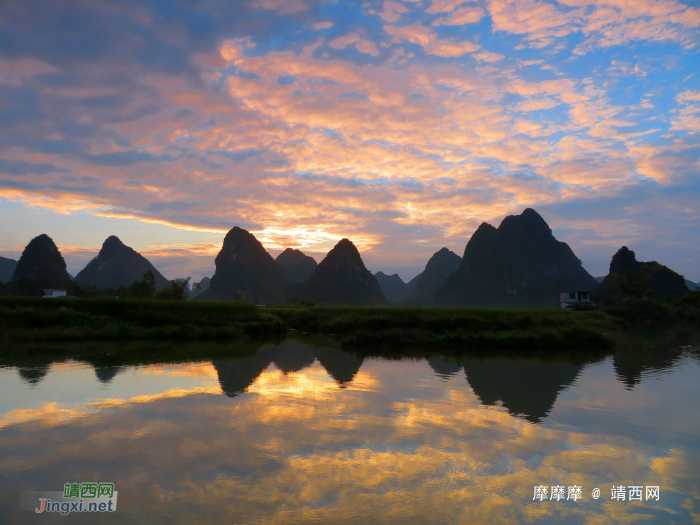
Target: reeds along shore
[(36, 319), (454, 329)]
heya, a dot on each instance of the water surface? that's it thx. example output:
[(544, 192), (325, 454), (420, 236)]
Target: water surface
[(301, 432)]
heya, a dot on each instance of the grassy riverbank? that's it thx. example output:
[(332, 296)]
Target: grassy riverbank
[(37, 319), (453, 328)]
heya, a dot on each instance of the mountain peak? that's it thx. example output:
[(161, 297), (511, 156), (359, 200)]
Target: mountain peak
[(518, 264), (297, 266), (440, 266), (529, 223), (342, 278), (41, 259), (623, 260), (112, 240), (630, 277), (118, 265), (245, 271)]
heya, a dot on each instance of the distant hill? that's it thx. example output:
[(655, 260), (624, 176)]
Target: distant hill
[(245, 271), (183, 280), (42, 262), (693, 287), (518, 264), (296, 265), (393, 287), (203, 285), (117, 265), (342, 279), (440, 266), (630, 277), (7, 269)]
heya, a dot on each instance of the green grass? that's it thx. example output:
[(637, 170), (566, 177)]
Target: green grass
[(454, 328), (37, 319)]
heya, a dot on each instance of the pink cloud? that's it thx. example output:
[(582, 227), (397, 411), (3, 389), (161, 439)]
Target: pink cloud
[(464, 16), (486, 56), (343, 41), (367, 47)]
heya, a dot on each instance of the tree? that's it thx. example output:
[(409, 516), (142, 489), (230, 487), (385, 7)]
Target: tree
[(145, 289), (176, 291)]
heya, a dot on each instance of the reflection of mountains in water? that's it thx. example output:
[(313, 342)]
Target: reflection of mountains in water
[(105, 374), (291, 356), (527, 388), (443, 368), (33, 374), (631, 364)]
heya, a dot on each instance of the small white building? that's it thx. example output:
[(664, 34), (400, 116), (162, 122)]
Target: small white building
[(568, 299), (50, 293)]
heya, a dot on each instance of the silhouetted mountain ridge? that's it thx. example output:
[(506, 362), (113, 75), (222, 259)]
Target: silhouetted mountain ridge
[(245, 271), (342, 278), (7, 269), (441, 265), (42, 262), (630, 277), (297, 266), (118, 265), (393, 287), (518, 264)]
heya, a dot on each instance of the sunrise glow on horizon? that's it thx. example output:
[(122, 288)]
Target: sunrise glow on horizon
[(401, 125)]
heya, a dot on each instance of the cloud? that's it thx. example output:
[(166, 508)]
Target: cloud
[(444, 6), (603, 23), (342, 42), (417, 34), (240, 113), (486, 56), (451, 48), (463, 16), (392, 11), (367, 47)]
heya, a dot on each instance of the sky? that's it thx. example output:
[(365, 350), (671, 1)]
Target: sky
[(401, 125)]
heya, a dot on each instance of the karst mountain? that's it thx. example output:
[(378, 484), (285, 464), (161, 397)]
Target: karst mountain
[(117, 265), (7, 269), (342, 279), (42, 263), (518, 264), (630, 277), (296, 265), (246, 272), (441, 265)]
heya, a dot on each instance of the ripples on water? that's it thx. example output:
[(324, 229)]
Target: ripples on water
[(306, 433)]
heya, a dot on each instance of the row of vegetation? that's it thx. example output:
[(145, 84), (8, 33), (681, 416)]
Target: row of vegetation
[(144, 289), (389, 329), (37, 319), (453, 328)]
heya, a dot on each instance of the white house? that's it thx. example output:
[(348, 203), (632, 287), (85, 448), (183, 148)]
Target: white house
[(568, 299), (50, 293)]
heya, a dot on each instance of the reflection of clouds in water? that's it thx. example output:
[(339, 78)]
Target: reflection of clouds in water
[(398, 444), (296, 447), (204, 370)]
